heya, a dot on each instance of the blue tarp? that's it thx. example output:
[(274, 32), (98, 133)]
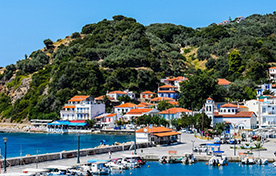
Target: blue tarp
[(218, 151), (78, 124), (59, 122), (96, 160), (213, 145)]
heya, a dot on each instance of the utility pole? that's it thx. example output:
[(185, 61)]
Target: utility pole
[(5, 160), (78, 158), (135, 140)]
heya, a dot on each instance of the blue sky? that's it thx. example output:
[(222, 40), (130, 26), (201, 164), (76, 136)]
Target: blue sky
[(24, 24)]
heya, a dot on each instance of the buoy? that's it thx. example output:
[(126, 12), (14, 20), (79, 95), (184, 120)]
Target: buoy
[(218, 164), (120, 171), (130, 173), (148, 165), (206, 164), (163, 162), (226, 164), (239, 164)]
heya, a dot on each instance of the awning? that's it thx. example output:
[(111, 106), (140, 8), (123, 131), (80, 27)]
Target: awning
[(172, 133), (78, 124), (59, 123)]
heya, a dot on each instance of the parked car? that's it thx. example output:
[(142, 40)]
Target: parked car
[(232, 141), (275, 153)]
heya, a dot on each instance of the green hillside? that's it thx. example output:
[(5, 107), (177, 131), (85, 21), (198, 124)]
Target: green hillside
[(122, 54)]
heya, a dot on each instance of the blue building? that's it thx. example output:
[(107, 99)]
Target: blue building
[(168, 91)]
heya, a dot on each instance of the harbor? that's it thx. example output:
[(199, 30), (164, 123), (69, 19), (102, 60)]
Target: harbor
[(152, 154)]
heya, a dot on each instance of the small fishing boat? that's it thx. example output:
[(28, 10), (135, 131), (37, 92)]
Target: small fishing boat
[(248, 158), (218, 159), (274, 164), (99, 168), (116, 164), (262, 161), (188, 159)]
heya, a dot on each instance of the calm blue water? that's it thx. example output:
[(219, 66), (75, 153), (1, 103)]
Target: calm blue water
[(233, 169), (29, 143)]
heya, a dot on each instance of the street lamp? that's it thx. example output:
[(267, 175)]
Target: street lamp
[(78, 157), (193, 141), (5, 160), (135, 140)]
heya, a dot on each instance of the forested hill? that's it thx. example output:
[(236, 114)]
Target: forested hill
[(122, 54)]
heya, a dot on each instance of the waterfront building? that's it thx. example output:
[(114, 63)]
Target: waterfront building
[(265, 108), (262, 87), (135, 113), (157, 135), (174, 113), (66, 126), (174, 81), (146, 96), (81, 108), (236, 116), (108, 121)]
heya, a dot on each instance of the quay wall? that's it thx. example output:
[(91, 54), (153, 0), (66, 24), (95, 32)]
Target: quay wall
[(70, 154)]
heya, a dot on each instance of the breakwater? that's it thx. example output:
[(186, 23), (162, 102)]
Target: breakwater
[(71, 154)]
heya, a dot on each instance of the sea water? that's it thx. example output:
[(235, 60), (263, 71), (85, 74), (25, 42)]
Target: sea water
[(198, 169), (20, 144)]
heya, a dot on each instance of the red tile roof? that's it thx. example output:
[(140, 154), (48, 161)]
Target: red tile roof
[(126, 105), (175, 103), (162, 99), (223, 82), (102, 97), (209, 98), (117, 92), (174, 111), (166, 91), (79, 98), (272, 68), (147, 92), (172, 133), (179, 78), (139, 111), (239, 114), (229, 105)]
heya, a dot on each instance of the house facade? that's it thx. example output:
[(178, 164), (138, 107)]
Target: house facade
[(224, 82), (124, 108), (168, 91), (262, 87), (146, 96), (81, 108), (135, 113), (174, 113), (116, 94), (174, 81)]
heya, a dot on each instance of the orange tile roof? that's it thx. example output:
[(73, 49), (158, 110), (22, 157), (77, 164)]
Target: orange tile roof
[(111, 115), (167, 86), (166, 91), (139, 111), (126, 105), (175, 103), (223, 82), (172, 133), (79, 98), (147, 92), (102, 97), (141, 105), (209, 98), (239, 114), (179, 78), (117, 92), (162, 99), (154, 130), (174, 111), (272, 68), (145, 104), (68, 107), (229, 105)]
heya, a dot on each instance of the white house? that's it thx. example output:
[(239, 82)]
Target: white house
[(262, 87), (146, 96), (168, 91), (116, 94), (108, 120), (124, 108), (265, 109), (81, 108), (224, 82), (134, 113), (232, 115), (174, 81), (174, 113)]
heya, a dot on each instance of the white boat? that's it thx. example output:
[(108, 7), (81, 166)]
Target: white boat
[(130, 161), (218, 160), (274, 164), (188, 159), (116, 164), (99, 168), (262, 161), (248, 158)]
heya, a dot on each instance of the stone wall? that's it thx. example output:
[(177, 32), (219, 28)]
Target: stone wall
[(69, 154)]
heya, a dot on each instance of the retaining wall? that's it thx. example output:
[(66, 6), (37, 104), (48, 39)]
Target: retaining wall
[(70, 154)]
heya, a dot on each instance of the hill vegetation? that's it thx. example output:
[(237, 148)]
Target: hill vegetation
[(122, 54)]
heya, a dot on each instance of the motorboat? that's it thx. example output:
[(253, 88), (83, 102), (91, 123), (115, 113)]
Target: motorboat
[(274, 164), (116, 164), (188, 159), (248, 158), (99, 168), (135, 157), (262, 161), (218, 160), (130, 162)]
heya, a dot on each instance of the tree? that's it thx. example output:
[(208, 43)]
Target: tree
[(203, 121), (235, 63), (75, 35), (163, 105), (220, 127), (48, 43), (268, 92), (90, 123)]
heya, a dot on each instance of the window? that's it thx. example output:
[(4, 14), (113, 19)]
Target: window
[(144, 96), (149, 96), (229, 110), (233, 110)]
